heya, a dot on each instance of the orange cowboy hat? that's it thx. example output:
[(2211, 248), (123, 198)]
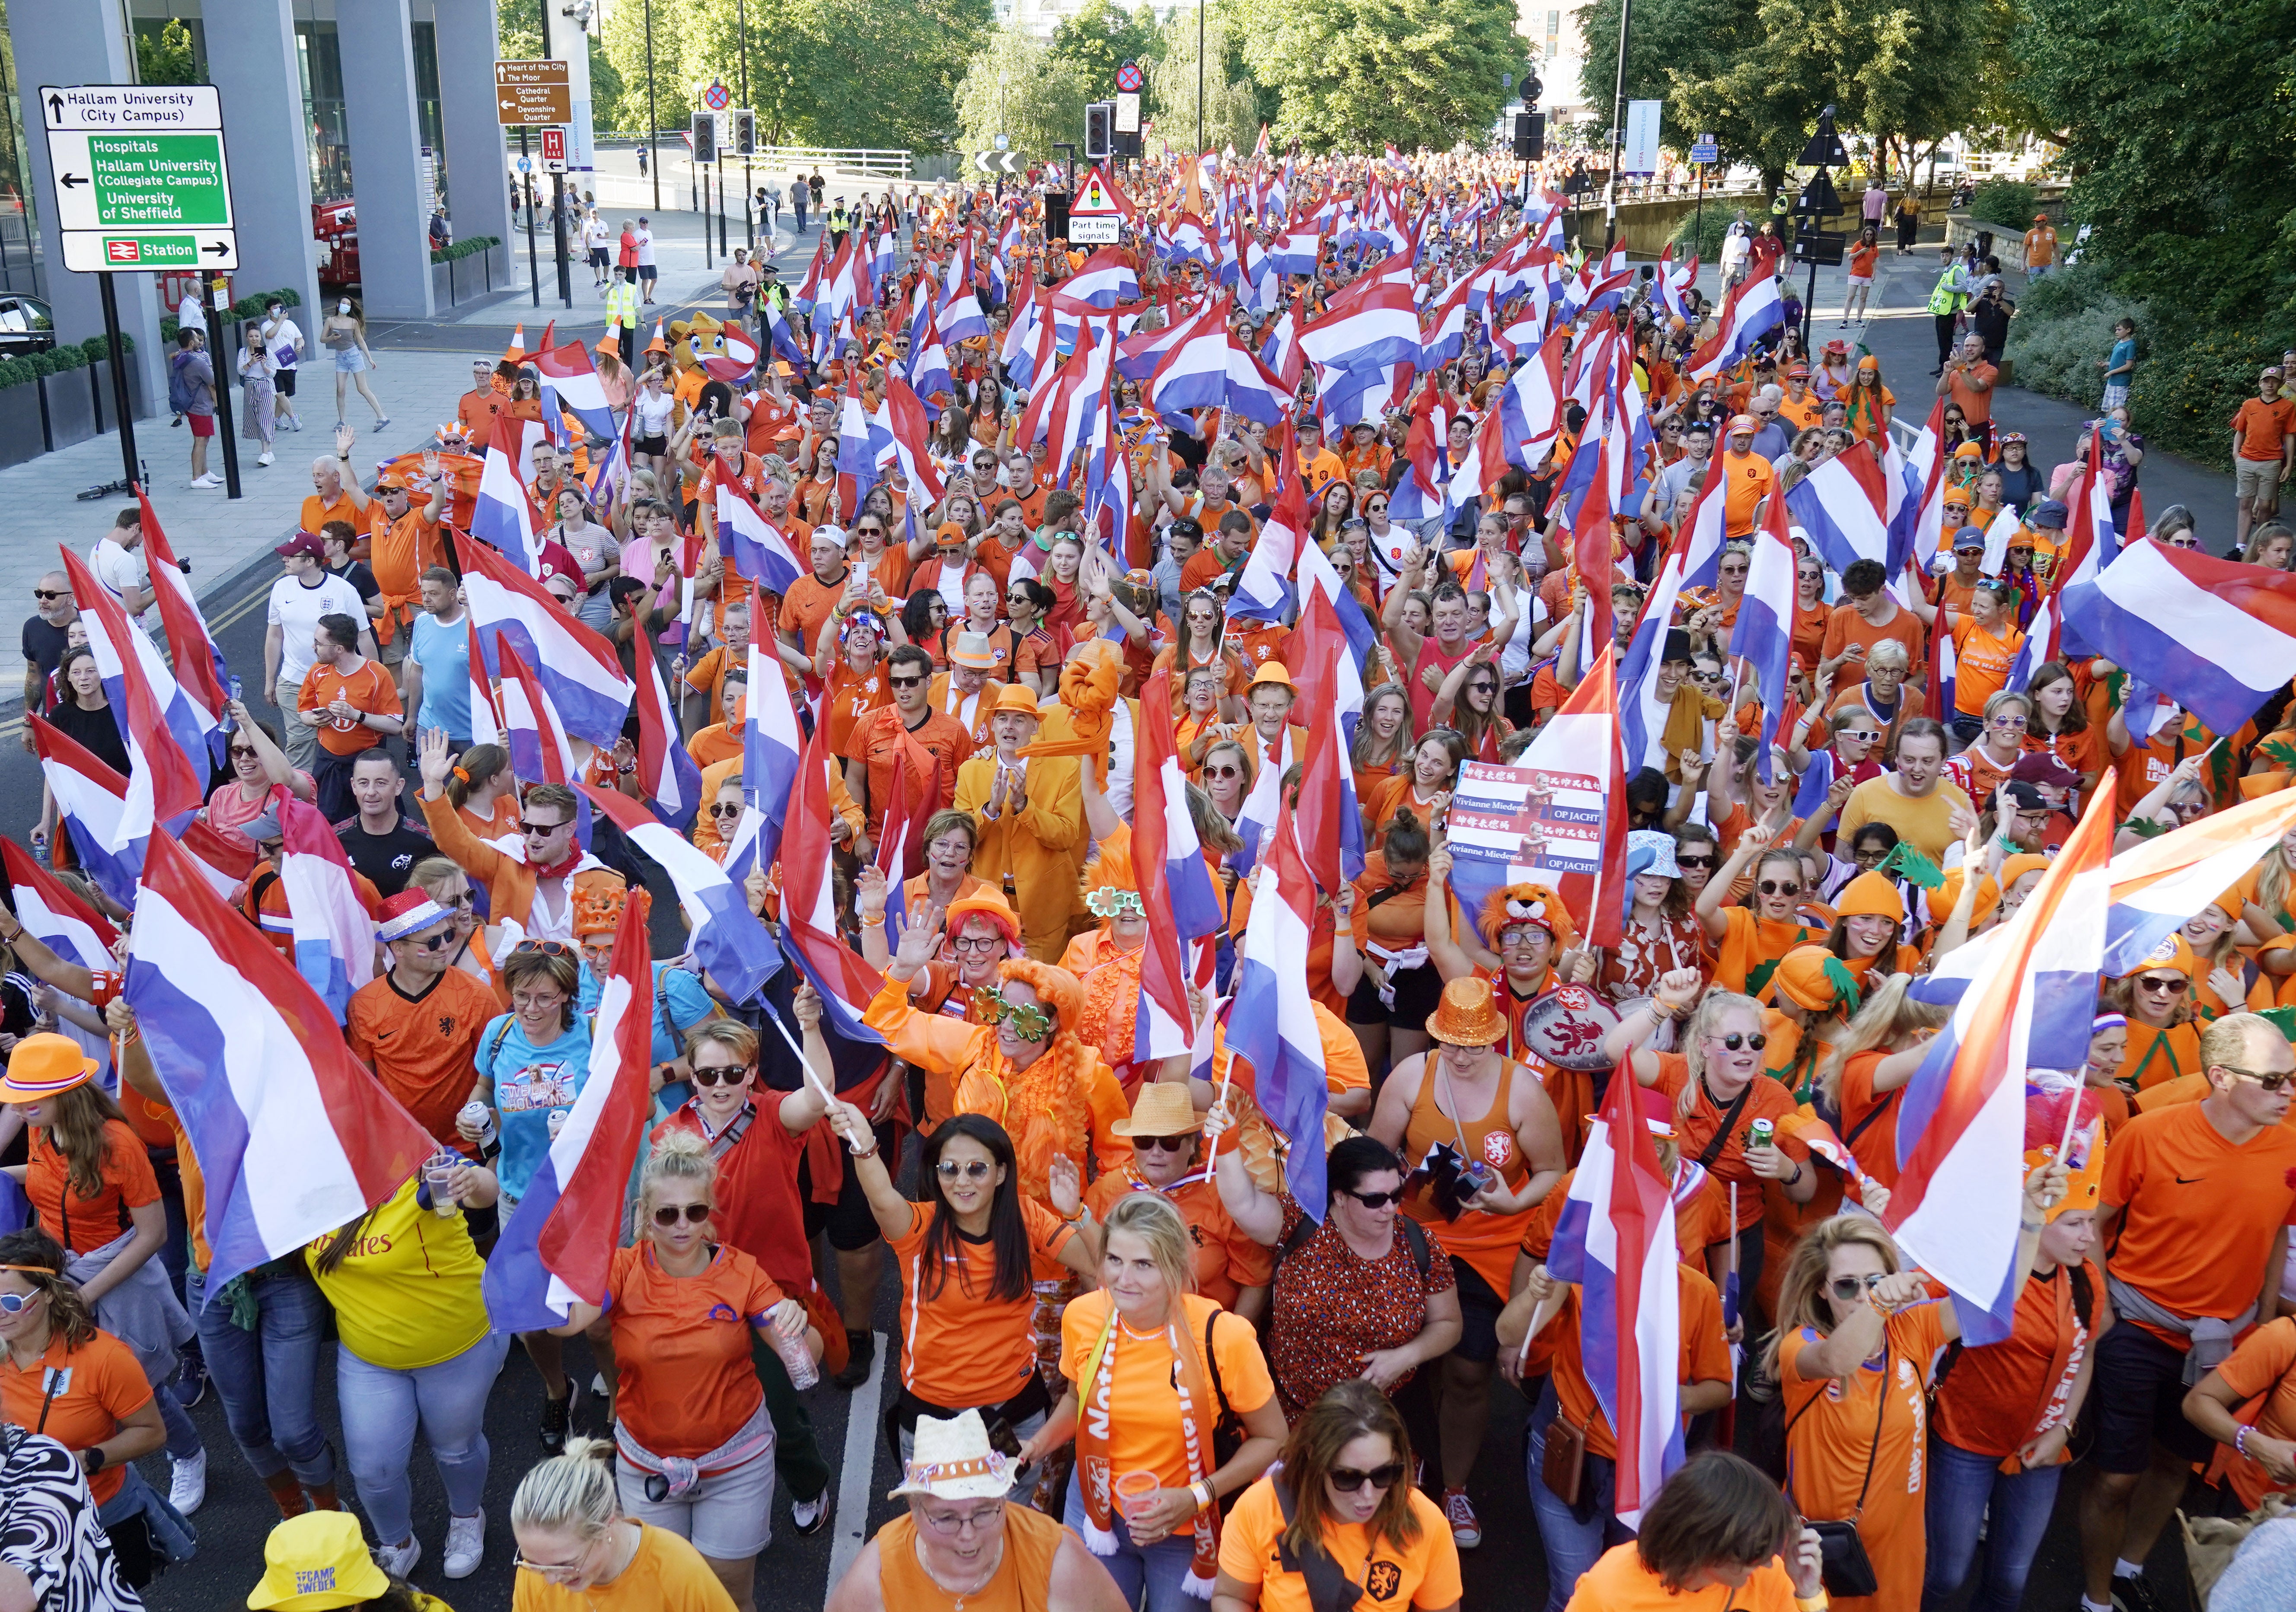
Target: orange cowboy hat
[(1467, 1016)]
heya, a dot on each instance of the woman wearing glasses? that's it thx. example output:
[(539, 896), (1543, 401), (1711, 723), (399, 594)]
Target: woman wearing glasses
[(2164, 1043), (1469, 702), (1812, 615), (1748, 940), (532, 1063), (1855, 1351), (970, 1257), (578, 1551), (1202, 644), (1982, 768), (695, 1438), (1344, 1489), (257, 767)]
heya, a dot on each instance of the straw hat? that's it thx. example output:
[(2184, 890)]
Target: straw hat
[(1467, 1016), (950, 1460), (44, 1066), (974, 652), (1163, 1109), (316, 1561)]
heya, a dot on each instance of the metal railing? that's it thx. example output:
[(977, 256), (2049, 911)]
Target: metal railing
[(868, 162)]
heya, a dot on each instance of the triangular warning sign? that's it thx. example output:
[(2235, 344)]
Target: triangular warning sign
[(1096, 196)]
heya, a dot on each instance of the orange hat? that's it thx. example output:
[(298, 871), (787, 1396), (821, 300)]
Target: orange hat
[(2015, 868), (2175, 952), (1532, 903), (44, 1066), (1016, 696), (608, 343), (1272, 671), (599, 912), (986, 903), (1815, 980), (1872, 895), (1942, 899), (2046, 1113), (1467, 1016)]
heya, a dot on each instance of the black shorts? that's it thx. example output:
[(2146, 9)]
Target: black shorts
[(849, 1222), (598, 257), (283, 383), (652, 446), (2139, 1395), (1479, 1313), (1418, 992)]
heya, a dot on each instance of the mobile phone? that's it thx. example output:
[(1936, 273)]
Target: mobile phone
[(1003, 1440)]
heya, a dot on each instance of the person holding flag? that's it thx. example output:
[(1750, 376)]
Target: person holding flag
[(1484, 1145)]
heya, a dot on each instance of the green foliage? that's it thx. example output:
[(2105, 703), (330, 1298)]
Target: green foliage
[(471, 247), (1703, 237), (1015, 87), (1355, 74), (17, 372), (164, 53), (1101, 38), (99, 349), (826, 72), (2007, 202), (1232, 112), (2177, 122), (2064, 326)]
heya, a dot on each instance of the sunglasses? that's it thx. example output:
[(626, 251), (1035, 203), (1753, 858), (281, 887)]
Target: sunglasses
[(1859, 735), (1771, 887), (1753, 1044), (904, 682), (870, 531), (1375, 509), (2271, 1082), (1376, 1200), (1163, 1144), (692, 1214), (972, 1169), (43, 593), (1229, 770), (548, 948), (723, 810), (432, 943), (1681, 861), (246, 751), (729, 1074), (16, 1304), (1347, 1480), (2177, 986), (1850, 1289), (526, 826), (2006, 721)]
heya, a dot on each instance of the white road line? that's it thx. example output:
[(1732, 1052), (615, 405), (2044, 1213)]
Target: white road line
[(849, 1529)]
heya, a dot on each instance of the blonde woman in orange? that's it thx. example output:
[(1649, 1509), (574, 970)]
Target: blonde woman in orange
[(1750, 940), (2164, 1043)]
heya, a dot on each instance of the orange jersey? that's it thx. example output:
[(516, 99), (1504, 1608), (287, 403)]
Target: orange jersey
[(960, 1344), (2198, 1212)]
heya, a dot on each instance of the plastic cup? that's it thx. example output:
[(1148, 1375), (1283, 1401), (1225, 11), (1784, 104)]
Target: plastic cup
[(557, 1123), (1135, 1492), (438, 1174)]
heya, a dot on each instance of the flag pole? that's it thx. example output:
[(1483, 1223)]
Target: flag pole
[(812, 1077)]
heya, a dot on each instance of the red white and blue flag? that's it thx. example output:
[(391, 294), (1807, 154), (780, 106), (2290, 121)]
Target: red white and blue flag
[(809, 932), (202, 680), (1763, 635), (2214, 635), (1750, 311), (333, 930), (294, 1137), (570, 385), (666, 773), (726, 937), (1615, 1239), (1271, 1023), (162, 784), (91, 801), (561, 1239), (504, 516), (1175, 883), (577, 667)]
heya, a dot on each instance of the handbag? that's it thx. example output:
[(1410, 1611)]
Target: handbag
[(1563, 1467), (1848, 1570)]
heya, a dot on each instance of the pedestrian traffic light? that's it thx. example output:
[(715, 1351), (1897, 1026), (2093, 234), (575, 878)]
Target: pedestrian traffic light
[(1098, 129), (1056, 215), (705, 136), (745, 133), (1530, 135)]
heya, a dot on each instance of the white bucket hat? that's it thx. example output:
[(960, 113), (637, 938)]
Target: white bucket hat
[(952, 1461), (1660, 849)]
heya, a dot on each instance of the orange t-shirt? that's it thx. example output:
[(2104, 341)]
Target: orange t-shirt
[(1750, 479), (2263, 427), (1425, 1573), (1619, 1582), (963, 1346), (1830, 1447), (1704, 1350), (1137, 1394), (1976, 405), (317, 512), (1768, 1099), (1991, 1402), (104, 1385), (1225, 1260), (2196, 1253), (1846, 627), (1861, 259), (84, 1224), (1982, 663), (1874, 1142), (2265, 1365), (803, 608), (687, 1380), (421, 1048), (369, 689), (851, 695), (882, 741)]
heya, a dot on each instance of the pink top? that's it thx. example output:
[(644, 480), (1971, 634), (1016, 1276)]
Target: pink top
[(227, 809)]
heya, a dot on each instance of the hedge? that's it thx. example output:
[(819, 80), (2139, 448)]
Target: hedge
[(464, 248), (245, 308), (2005, 203), (2192, 377)]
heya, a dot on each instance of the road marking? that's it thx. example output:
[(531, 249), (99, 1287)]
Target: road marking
[(229, 616), (850, 1527)]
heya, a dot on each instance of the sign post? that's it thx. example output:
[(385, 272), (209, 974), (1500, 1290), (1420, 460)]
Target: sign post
[(140, 184), (1704, 150), (530, 94)]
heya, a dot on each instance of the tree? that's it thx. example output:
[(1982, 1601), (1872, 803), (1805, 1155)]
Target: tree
[(1231, 101), (1355, 74), (164, 53), (1015, 87), (1100, 38)]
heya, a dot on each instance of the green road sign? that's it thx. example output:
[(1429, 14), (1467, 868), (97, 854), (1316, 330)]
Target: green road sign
[(140, 177)]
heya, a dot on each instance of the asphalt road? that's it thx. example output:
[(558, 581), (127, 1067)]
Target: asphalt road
[(1507, 1570)]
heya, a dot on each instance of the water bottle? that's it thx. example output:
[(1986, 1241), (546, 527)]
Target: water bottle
[(228, 721), (803, 1371)]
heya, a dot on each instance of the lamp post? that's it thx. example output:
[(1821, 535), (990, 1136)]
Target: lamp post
[(654, 118), (748, 185), (1617, 129), (1200, 78)]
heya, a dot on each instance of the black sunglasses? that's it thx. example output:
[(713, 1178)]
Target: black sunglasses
[(721, 809), (526, 827), (731, 1075), (1347, 1480), (1163, 1144), (432, 943), (1754, 1042), (43, 593), (1681, 861), (1375, 1200), (1771, 887), (248, 750), (904, 682)]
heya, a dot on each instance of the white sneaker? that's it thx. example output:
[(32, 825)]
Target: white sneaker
[(265, 457), (398, 1560), (187, 1484), (207, 481), (466, 1542)]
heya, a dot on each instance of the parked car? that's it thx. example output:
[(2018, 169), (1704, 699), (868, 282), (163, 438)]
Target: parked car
[(25, 326)]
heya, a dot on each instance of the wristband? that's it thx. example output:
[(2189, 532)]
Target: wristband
[(1815, 1603), (2240, 1439), (868, 922), (1205, 1497)]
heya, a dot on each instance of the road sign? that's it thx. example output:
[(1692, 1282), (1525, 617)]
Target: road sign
[(1127, 112), (1094, 214), (140, 177), (1130, 79), (523, 165), (554, 151), (1704, 151), (999, 162), (717, 97), (533, 92)]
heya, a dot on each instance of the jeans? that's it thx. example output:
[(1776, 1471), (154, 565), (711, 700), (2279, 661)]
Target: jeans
[(379, 1408), (1574, 1539), (1163, 1568), (297, 737), (1963, 1487), (267, 1378)]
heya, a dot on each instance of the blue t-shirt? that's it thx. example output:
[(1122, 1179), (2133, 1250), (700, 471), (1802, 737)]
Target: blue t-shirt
[(530, 1082), (680, 1001), (444, 654), (2124, 351)]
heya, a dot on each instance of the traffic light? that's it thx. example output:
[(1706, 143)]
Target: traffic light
[(745, 133), (1098, 129), (705, 136), (1530, 135), (1056, 215)]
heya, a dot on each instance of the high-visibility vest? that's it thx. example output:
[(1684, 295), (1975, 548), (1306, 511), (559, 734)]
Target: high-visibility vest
[(1945, 297)]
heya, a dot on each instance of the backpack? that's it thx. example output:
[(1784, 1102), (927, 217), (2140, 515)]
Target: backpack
[(180, 391)]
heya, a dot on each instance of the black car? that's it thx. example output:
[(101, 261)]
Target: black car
[(25, 326)]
